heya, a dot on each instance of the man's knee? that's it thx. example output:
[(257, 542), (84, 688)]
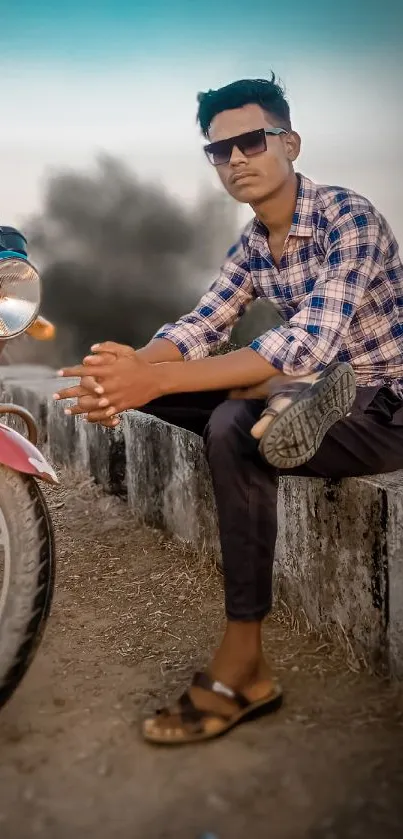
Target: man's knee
[(230, 424)]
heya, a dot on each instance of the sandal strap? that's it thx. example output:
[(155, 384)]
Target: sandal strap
[(291, 389), (189, 713), (203, 680), (268, 412), (288, 391)]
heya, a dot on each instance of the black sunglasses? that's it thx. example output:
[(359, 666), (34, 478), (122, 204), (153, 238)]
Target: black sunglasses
[(251, 143)]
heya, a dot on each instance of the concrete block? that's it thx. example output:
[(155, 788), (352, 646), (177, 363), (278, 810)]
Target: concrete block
[(103, 452), (340, 545), (168, 481), (26, 372), (333, 553)]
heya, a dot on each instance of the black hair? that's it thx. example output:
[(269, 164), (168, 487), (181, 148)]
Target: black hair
[(268, 93)]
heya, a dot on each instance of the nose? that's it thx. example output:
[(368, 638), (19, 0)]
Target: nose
[(237, 156)]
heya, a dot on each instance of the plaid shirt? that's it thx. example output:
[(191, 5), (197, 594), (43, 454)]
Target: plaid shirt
[(339, 287)]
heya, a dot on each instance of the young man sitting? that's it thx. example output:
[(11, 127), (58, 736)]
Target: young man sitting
[(320, 395)]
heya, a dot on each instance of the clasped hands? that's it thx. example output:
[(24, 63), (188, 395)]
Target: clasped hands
[(113, 379)]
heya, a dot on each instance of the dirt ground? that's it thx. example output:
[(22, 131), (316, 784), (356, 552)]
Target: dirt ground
[(133, 616)]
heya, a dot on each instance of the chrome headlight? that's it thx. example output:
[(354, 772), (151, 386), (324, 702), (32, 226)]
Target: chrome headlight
[(20, 293)]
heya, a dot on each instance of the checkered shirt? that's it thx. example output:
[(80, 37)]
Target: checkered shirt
[(339, 287)]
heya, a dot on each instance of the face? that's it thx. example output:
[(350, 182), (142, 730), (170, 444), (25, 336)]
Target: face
[(252, 180)]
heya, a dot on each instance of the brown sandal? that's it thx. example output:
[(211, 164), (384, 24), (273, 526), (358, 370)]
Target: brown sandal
[(197, 725)]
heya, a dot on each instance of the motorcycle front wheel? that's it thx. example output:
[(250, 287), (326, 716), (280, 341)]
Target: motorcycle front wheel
[(27, 573)]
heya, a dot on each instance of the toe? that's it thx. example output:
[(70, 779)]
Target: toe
[(260, 427)]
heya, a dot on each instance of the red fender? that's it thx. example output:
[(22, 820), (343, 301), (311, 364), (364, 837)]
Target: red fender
[(19, 454)]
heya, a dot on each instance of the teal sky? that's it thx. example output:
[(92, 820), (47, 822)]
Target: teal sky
[(102, 30), (78, 78)]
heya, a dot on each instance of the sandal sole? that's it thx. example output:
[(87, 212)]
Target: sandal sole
[(257, 710), (295, 435)]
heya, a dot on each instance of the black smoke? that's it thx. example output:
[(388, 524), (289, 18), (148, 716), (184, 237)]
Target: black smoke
[(119, 257)]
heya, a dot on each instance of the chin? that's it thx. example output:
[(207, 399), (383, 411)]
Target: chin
[(247, 193)]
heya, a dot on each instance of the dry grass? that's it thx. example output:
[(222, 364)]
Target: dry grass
[(149, 593), (155, 603), (134, 615)]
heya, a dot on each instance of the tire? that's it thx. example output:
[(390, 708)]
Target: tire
[(27, 575)]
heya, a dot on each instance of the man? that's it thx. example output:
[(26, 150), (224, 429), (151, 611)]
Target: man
[(285, 403)]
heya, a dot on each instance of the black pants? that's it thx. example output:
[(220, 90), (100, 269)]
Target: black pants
[(368, 442)]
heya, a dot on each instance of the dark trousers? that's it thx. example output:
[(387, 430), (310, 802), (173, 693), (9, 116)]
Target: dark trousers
[(368, 442)]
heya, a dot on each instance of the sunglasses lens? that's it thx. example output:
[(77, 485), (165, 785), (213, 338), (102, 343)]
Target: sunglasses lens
[(219, 153), (253, 142)]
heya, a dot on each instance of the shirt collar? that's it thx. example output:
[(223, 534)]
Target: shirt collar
[(302, 219)]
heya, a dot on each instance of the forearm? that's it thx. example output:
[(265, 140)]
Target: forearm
[(241, 368), (160, 350)]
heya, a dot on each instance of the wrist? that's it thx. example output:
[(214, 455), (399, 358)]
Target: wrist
[(171, 377), (161, 378), (159, 350)]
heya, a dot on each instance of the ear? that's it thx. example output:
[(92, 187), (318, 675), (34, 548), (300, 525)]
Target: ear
[(293, 145)]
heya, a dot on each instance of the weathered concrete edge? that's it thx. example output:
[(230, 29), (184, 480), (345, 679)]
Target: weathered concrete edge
[(344, 569)]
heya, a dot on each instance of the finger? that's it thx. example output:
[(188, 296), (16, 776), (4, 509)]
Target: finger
[(75, 411), (78, 371), (85, 404), (100, 414), (70, 393), (111, 347), (101, 358), (81, 370), (89, 383), (111, 423)]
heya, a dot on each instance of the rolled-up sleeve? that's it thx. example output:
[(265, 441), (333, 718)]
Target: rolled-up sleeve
[(209, 325), (356, 246)]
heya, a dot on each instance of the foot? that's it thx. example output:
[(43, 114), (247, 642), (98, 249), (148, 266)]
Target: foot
[(300, 412), (211, 707)]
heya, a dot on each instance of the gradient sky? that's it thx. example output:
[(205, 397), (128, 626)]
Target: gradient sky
[(123, 77)]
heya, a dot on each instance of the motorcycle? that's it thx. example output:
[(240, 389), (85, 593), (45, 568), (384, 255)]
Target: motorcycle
[(27, 550)]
